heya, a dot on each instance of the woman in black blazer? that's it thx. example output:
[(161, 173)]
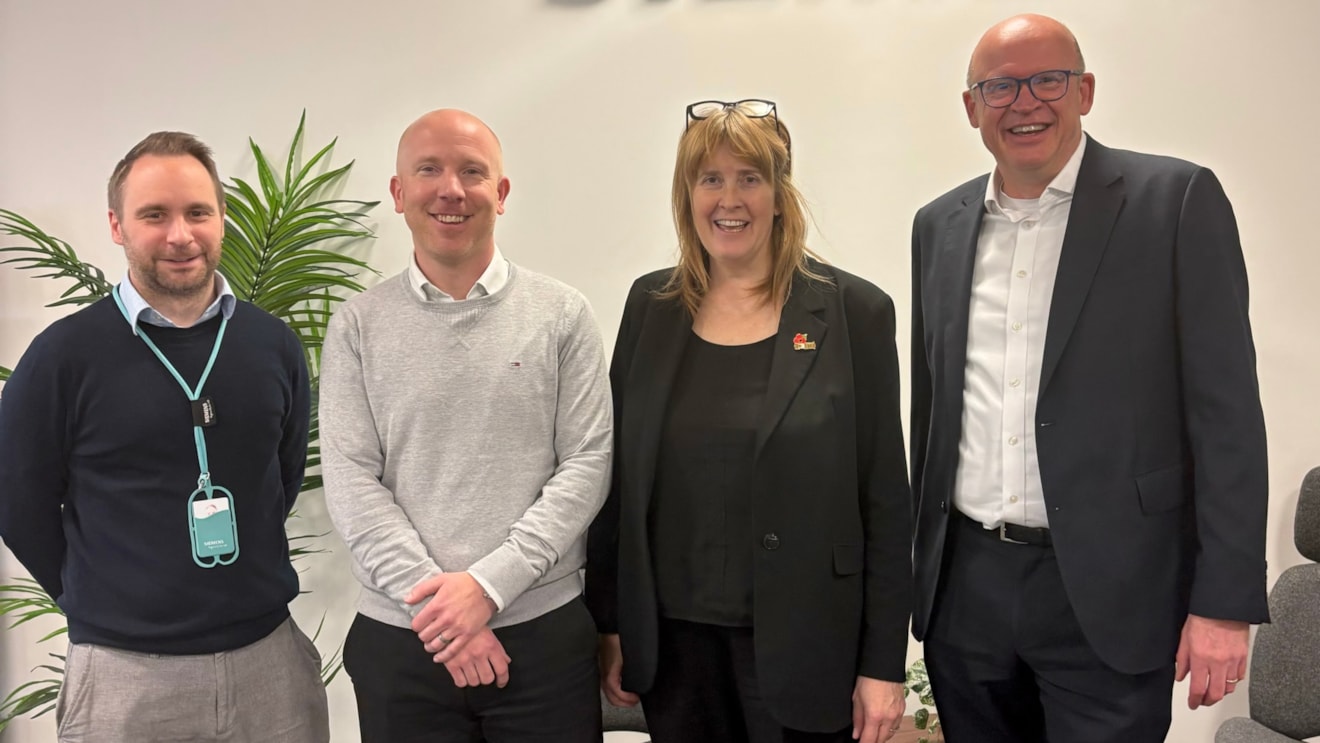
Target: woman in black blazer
[(750, 573)]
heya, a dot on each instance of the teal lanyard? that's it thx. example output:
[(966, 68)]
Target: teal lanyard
[(194, 394)]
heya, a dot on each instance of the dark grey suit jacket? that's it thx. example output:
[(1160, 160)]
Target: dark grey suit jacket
[(1148, 421), (833, 571)]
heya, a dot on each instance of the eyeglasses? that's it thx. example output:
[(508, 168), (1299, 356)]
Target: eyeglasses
[(752, 108), (1002, 92)]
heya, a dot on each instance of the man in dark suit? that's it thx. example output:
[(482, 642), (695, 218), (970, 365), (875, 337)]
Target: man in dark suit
[(1088, 448)]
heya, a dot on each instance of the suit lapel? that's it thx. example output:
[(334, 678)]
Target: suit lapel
[(953, 289), (789, 366), (1097, 199), (666, 329)]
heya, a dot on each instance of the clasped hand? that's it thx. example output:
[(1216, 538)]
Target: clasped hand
[(452, 627)]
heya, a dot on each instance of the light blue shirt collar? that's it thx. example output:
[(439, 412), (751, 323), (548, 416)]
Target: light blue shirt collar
[(139, 310)]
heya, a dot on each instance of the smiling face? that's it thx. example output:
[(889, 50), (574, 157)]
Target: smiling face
[(450, 187), (1031, 140), (733, 211), (170, 226)]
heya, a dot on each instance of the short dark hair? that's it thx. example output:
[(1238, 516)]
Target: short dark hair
[(163, 144)]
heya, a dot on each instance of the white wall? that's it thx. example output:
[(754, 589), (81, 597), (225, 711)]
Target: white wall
[(588, 98)]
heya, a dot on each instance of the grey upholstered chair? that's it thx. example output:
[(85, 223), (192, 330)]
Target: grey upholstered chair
[(1284, 691)]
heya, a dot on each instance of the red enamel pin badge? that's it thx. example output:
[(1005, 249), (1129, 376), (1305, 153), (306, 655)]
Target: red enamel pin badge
[(800, 343)]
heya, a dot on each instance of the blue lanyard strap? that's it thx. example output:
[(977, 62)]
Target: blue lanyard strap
[(203, 479)]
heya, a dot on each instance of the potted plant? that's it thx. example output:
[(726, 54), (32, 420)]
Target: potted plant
[(924, 720)]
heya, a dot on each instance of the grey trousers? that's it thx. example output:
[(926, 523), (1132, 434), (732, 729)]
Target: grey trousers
[(267, 692)]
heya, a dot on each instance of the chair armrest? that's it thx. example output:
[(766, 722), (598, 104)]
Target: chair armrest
[(1247, 730)]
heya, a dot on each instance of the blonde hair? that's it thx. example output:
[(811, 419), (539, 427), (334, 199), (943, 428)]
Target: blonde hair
[(764, 143)]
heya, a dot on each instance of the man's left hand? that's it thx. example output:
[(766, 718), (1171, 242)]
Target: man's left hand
[(457, 609), (877, 709), (1213, 652)]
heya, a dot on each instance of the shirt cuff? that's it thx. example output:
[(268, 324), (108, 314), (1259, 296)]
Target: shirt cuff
[(490, 591)]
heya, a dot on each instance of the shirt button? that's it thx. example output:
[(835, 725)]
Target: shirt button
[(770, 542), (1028, 224), (1012, 499), (1012, 440), (1017, 326), (1022, 274), (1015, 383)]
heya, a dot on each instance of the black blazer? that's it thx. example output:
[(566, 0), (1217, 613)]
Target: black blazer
[(1149, 427), (832, 585)]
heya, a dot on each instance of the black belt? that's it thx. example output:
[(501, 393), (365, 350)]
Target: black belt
[(1037, 536)]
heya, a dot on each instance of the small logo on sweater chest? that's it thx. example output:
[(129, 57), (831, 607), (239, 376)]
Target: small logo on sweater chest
[(515, 364)]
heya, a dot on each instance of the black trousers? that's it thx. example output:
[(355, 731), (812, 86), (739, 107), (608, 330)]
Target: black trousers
[(705, 690), (1008, 661), (553, 695)]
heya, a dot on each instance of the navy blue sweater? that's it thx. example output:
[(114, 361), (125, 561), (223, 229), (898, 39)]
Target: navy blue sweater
[(97, 462)]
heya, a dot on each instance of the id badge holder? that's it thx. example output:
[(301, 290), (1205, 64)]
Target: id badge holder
[(212, 526)]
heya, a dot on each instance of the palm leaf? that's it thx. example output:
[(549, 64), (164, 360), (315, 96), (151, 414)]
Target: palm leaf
[(55, 258), (331, 666), (285, 240), (34, 698), (24, 600)]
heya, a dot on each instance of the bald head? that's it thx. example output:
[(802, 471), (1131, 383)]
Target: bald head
[(449, 185), (1028, 27), (1035, 132), (449, 122)]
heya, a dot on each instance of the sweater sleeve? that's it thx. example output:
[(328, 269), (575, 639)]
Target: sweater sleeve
[(293, 445), (34, 447), (387, 551), (574, 493)]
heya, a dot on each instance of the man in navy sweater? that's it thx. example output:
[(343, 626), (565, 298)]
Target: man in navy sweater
[(151, 446)]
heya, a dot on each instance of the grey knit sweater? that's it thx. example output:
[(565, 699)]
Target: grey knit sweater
[(470, 435)]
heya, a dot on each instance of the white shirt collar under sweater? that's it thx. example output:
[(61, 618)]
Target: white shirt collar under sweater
[(491, 280)]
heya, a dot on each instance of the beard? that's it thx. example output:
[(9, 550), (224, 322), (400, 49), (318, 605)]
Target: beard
[(164, 283)]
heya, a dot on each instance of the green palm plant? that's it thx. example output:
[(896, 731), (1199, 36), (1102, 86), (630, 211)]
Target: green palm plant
[(284, 250)]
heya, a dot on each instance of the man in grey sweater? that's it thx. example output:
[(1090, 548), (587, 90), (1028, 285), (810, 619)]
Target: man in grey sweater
[(466, 431)]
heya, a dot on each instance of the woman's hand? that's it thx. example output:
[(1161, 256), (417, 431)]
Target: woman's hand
[(877, 709), (610, 657)]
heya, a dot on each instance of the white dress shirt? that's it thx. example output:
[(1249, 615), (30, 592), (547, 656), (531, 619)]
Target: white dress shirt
[(1017, 258), (491, 280)]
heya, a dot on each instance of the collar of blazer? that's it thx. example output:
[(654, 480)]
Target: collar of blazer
[(789, 365), (665, 333), (1097, 200)]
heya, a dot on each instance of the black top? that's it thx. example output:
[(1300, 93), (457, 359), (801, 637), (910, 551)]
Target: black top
[(97, 460), (701, 515), (833, 513)]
